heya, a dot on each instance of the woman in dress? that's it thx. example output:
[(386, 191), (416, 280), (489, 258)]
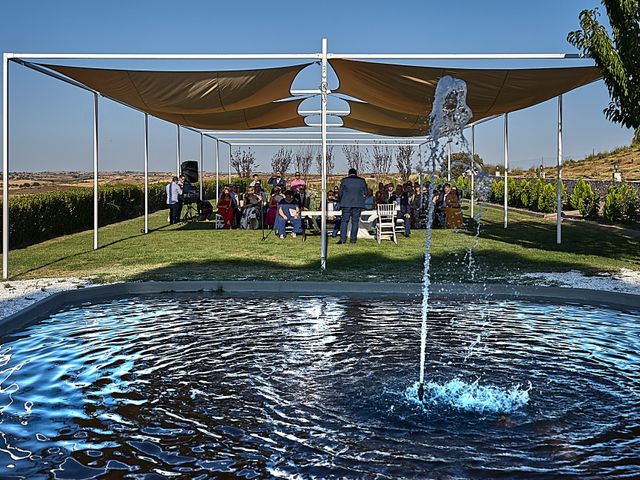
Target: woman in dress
[(225, 208), (274, 200)]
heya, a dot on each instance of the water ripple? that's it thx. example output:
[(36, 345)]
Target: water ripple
[(199, 386)]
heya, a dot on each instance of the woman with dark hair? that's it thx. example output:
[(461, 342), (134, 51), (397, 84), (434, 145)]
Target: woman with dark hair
[(225, 208), (274, 200)]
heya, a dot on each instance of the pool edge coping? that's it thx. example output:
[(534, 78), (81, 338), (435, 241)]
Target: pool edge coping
[(562, 295)]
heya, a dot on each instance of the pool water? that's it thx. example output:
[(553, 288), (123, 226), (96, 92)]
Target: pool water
[(207, 386)]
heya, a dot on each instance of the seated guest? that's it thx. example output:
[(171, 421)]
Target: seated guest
[(380, 194), (453, 213), (452, 199), (251, 210), (439, 219), (205, 210), (401, 197), (297, 183), (255, 181), (288, 211), (261, 208), (301, 197), (334, 205), (225, 208), (368, 199), (272, 210)]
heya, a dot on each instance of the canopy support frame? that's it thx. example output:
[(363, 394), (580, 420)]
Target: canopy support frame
[(506, 169), (559, 175)]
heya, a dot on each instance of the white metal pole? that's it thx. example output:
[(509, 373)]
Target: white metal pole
[(146, 173), (95, 171), (229, 167), (178, 151), (559, 186), (217, 170), (473, 173), (201, 182), (506, 166), (5, 166), (323, 223), (449, 161)]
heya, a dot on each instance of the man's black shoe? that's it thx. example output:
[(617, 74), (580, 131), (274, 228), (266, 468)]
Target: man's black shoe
[(352, 241), (340, 242)]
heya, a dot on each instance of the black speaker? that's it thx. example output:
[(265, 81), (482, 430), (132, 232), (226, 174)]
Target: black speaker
[(189, 169)]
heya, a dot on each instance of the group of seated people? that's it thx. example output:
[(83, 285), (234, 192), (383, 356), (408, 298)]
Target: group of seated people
[(411, 201), (255, 209)]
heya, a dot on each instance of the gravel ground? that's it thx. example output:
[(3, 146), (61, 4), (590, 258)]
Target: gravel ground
[(626, 281), (18, 294)]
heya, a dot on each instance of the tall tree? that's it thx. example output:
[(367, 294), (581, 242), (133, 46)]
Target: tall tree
[(244, 162), (303, 158), (617, 56), (356, 157), (281, 160), (404, 155), (330, 163), (381, 162)]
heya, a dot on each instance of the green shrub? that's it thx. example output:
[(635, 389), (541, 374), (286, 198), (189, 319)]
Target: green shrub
[(40, 216), (513, 192), (535, 192), (632, 205), (584, 200), (524, 188), (547, 201), (613, 204), (497, 192)]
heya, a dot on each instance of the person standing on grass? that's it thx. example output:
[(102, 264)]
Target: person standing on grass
[(297, 183), (352, 191), (173, 200), (278, 180)]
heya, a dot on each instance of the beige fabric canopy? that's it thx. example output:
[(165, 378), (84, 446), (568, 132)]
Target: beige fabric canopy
[(391, 89), (241, 99), (380, 121)]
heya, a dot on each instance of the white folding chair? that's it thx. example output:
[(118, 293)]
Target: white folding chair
[(386, 226)]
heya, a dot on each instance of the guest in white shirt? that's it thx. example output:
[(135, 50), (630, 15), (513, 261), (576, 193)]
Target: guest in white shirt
[(173, 200)]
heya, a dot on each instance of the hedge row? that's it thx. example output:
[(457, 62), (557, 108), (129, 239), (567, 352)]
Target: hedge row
[(41, 216), (620, 203)]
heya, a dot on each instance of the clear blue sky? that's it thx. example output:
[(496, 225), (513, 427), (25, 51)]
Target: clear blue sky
[(51, 121)]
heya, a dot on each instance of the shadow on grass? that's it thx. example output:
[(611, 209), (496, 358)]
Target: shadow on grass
[(85, 251), (373, 266), (576, 239)]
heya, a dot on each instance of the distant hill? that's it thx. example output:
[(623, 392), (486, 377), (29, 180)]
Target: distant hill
[(600, 165)]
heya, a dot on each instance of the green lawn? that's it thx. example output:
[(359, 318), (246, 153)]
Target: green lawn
[(195, 251)]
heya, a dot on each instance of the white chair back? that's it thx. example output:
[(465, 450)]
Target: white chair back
[(387, 210)]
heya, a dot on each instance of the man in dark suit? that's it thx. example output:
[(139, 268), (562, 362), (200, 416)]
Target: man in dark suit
[(301, 197), (353, 189)]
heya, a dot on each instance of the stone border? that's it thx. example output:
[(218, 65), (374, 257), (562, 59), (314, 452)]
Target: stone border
[(55, 302)]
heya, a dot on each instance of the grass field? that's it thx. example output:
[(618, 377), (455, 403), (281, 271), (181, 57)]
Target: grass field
[(196, 251)]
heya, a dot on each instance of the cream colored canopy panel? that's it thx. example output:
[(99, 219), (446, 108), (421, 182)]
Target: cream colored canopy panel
[(272, 115), (380, 121), (411, 89), (218, 99)]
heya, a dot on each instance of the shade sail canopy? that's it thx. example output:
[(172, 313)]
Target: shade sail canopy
[(391, 89), (381, 121), (244, 99)]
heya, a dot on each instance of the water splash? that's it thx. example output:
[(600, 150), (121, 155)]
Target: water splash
[(448, 117), (471, 397)]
